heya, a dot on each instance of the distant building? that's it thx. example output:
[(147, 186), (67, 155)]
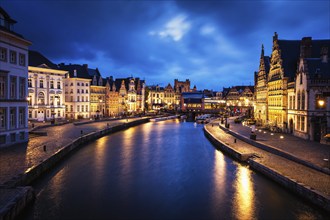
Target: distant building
[(240, 100), (13, 83), (261, 93), (46, 89), (182, 86), (97, 94), (77, 91)]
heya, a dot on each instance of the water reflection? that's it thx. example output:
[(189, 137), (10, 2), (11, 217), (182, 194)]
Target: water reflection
[(244, 201), (219, 179), (100, 159)]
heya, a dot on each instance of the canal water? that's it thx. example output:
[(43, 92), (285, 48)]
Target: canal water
[(160, 170)]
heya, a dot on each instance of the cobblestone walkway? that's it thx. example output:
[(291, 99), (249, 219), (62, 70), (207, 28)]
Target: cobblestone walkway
[(17, 159), (310, 151), (293, 170)]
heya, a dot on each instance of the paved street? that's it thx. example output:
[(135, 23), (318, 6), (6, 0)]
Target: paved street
[(310, 151), (17, 159), (293, 170)]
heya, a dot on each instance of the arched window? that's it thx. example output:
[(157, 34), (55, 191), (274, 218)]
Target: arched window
[(303, 100), (41, 98)]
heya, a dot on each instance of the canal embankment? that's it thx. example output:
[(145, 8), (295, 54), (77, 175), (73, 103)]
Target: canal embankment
[(15, 195), (304, 181)]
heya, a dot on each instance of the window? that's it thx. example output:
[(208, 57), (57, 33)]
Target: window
[(12, 137), (71, 91), (3, 89), (30, 100), (66, 108), (13, 57), (12, 87), (41, 98), (82, 108), (71, 84), (78, 91), (51, 100), (78, 108), (78, 99), (22, 59), (302, 123), (12, 118), (3, 54), (3, 122), (41, 83), (30, 114), (58, 85), (86, 90), (298, 100), (22, 94), (86, 108), (71, 108), (303, 100), (58, 100), (21, 121), (58, 113), (22, 135), (52, 84), (82, 98), (29, 82), (82, 91), (78, 84), (71, 98)]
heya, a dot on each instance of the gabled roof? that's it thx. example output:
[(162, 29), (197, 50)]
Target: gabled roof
[(317, 68), (36, 59), (290, 52)]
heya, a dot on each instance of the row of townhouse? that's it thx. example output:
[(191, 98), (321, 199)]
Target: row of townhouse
[(169, 97), (292, 87), (77, 91)]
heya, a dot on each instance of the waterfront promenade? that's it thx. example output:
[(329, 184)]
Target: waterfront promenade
[(312, 153)]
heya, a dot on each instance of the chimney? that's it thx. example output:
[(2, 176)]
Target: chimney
[(75, 73), (324, 54), (306, 47)]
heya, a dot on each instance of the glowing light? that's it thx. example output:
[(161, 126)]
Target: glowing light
[(321, 102), (281, 137), (271, 134), (244, 204)]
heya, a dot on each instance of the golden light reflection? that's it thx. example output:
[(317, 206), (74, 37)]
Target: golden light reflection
[(219, 179), (100, 156), (244, 201)]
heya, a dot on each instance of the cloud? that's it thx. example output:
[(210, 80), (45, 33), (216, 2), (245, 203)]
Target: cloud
[(175, 28), (213, 43)]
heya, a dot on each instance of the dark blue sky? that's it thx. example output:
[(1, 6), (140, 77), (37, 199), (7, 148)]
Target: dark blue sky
[(212, 43)]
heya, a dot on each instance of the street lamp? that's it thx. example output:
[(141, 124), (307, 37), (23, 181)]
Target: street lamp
[(321, 102)]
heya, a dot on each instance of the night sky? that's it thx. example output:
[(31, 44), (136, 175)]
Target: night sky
[(212, 43)]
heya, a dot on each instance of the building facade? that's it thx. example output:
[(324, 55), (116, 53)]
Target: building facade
[(13, 83), (297, 88), (46, 89), (77, 86), (261, 95)]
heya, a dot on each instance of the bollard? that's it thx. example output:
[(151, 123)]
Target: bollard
[(45, 148), (212, 124), (235, 140)]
